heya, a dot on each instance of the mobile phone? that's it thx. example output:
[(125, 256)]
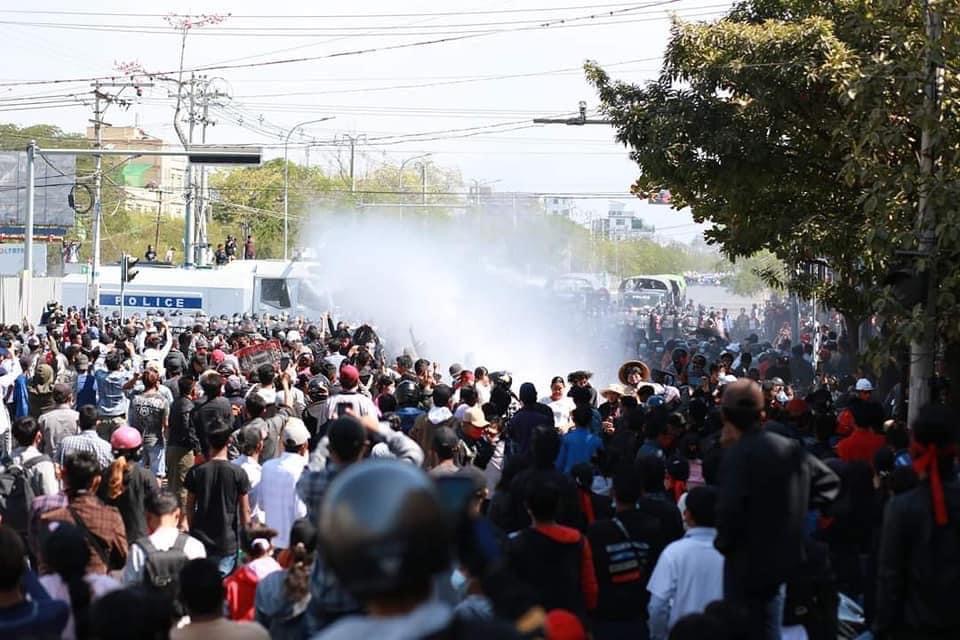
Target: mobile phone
[(342, 408)]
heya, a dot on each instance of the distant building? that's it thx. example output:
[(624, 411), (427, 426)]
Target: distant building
[(148, 182), (621, 224), (564, 207)]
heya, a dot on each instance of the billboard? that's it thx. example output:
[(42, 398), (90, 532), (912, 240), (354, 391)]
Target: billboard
[(54, 178), (11, 259)]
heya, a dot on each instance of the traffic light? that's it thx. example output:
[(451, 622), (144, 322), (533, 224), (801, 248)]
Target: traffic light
[(127, 271)]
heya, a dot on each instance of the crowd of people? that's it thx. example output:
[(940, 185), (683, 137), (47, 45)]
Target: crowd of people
[(255, 477)]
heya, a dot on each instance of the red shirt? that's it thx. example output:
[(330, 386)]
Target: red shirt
[(862, 444)]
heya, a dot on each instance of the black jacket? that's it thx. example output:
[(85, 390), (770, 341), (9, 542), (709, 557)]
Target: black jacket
[(624, 562), (767, 485), (918, 573)]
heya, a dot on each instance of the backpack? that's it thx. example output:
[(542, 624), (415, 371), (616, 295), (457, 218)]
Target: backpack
[(161, 569), (18, 488)]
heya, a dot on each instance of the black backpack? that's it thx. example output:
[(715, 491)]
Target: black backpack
[(161, 569), (18, 488)]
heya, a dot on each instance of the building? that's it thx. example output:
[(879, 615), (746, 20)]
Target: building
[(557, 206), (621, 224), (150, 183)]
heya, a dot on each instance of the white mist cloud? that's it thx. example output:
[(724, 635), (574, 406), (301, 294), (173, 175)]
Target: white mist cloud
[(470, 289)]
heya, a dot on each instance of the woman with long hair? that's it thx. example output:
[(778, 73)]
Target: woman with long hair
[(66, 555), (283, 597), (126, 484)]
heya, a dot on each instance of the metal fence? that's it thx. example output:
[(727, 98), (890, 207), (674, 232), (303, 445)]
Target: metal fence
[(43, 290)]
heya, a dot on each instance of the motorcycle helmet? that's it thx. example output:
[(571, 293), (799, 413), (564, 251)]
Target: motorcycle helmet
[(318, 389), (383, 530), (407, 393), (501, 379)]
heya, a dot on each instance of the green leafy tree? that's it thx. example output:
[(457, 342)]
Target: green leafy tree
[(792, 126)]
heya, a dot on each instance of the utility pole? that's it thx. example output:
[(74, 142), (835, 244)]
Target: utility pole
[(353, 140), (423, 183), (97, 200), (923, 349), (190, 208)]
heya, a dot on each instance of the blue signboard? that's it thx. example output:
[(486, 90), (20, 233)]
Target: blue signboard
[(152, 301)]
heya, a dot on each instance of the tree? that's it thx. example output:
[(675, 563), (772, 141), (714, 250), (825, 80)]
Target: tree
[(793, 126), (252, 198)]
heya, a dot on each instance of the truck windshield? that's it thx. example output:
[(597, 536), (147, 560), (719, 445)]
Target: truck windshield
[(273, 291)]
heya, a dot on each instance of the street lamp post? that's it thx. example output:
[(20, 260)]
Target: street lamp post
[(404, 163), (286, 200)]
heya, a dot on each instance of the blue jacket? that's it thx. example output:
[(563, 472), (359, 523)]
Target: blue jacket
[(578, 446), (21, 397)]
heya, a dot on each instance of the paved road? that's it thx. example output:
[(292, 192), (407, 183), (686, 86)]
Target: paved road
[(720, 297)]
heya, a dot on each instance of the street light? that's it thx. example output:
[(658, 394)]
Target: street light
[(286, 200), (403, 164)]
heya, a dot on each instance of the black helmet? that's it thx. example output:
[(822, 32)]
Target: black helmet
[(318, 388), (382, 528), (407, 392), (501, 379)]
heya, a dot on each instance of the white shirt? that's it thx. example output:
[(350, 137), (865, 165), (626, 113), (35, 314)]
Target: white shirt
[(562, 410), (254, 471), (99, 586), (689, 573), (278, 495), (163, 539), (359, 403)]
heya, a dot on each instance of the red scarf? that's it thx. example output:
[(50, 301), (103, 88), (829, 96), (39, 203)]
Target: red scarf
[(926, 460)]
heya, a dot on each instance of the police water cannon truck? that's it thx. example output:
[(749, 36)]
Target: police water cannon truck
[(242, 286)]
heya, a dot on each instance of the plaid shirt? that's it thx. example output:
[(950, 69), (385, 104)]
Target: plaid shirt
[(312, 486), (40, 506), (104, 523), (87, 441)]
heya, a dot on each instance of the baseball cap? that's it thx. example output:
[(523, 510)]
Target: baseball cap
[(295, 432), (475, 417), (125, 437), (349, 376), (864, 385), (445, 442), (294, 336), (560, 624), (455, 370), (249, 437)]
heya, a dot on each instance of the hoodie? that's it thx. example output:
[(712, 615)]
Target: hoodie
[(285, 620), (557, 563), (426, 427), (241, 587)]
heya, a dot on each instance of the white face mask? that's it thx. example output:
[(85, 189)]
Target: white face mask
[(459, 583), (782, 397)]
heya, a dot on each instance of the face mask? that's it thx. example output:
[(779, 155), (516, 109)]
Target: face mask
[(782, 397), (459, 583)]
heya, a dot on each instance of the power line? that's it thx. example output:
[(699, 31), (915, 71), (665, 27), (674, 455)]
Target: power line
[(347, 53), (325, 16)]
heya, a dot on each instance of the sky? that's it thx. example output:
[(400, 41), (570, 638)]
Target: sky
[(472, 96)]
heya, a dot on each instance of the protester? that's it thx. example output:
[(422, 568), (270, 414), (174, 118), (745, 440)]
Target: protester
[(767, 484), (917, 570), (625, 547), (203, 597), (277, 494), (67, 556), (101, 525), (155, 559), (150, 415), (183, 445), (283, 597), (217, 502), (26, 609), (126, 484), (554, 560), (88, 440), (241, 585), (689, 574), (60, 422)]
